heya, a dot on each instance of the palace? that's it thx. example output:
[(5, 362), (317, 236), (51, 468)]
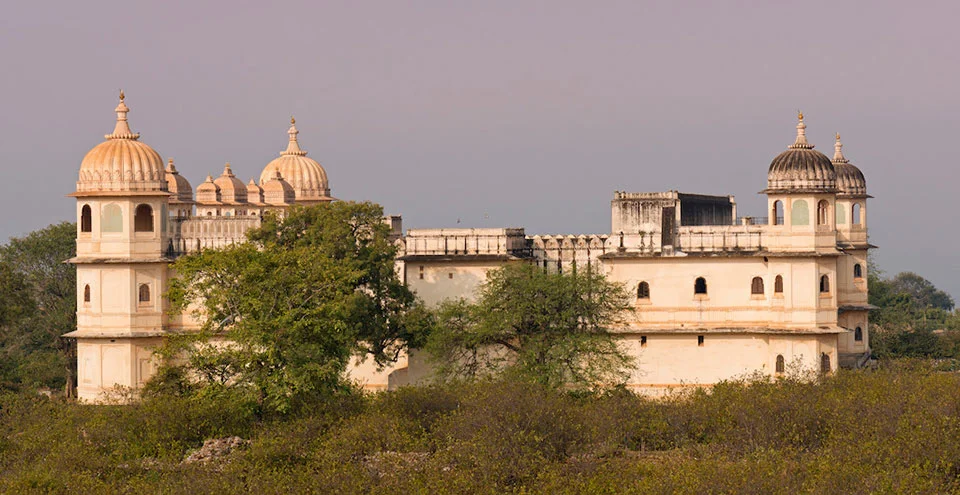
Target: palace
[(716, 295)]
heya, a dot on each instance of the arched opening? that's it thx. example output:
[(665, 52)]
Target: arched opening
[(823, 212), (86, 219), (700, 286), (778, 285), (143, 219), (776, 213), (780, 364), (858, 335), (857, 271), (643, 291), (824, 284), (856, 216), (86, 293), (824, 362), (111, 220), (144, 293), (756, 286)]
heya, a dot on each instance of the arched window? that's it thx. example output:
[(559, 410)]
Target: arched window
[(86, 219), (857, 271), (780, 365), (700, 286), (858, 334), (86, 293), (799, 213), (823, 212), (824, 362), (857, 214), (778, 285), (111, 220), (756, 286), (776, 213), (824, 284), (643, 291), (143, 219), (144, 293)]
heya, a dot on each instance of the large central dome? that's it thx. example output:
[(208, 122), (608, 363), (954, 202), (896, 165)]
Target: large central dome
[(801, 168), (122, 162), (305, 175)]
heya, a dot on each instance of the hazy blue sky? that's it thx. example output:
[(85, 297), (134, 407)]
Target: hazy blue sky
[(499, 113)]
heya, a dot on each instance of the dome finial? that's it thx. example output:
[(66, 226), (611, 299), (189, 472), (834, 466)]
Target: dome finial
[(838, 152), (801, 142), (227, 171), (170, 167), (122, 129), (293, 146)]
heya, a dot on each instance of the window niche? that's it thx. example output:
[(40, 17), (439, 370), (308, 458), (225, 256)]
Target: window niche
[(756, 286), (143, 219), (86, 219), (643, 291), (144, 294)]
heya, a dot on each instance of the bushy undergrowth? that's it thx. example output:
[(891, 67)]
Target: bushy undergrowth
[(892, 430)]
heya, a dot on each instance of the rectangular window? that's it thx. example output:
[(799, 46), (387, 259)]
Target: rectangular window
[(700, 340), (421, 272), (643, 341)]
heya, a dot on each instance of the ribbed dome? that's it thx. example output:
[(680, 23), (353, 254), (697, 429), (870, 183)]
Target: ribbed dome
[(305, 175), (232, 189), (850, 180), (208, 191), (277, 191), (122, 163), (254, 193), (178, 185), (800, 168)]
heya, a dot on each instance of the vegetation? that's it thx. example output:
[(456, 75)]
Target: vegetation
[(549, 327), (282, 314), (913, 319), (38, 304), (891, 430)]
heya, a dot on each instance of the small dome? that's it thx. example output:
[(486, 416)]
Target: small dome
[(305, 175), (277, 191), (232, 189), (800, 168), (254, 193), (178, 185), (208, 192), (850, 180), (122, 162)]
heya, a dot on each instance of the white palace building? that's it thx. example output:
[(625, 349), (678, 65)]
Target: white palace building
[(717, 296)]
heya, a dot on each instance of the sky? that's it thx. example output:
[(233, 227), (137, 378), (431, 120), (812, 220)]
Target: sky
[(499, 113)]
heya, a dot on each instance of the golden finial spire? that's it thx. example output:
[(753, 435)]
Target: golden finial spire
[(122, 129), (801, 142), (122, 96), (293, 147), (838, 152)]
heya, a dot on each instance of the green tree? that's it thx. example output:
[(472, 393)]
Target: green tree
[(283, 314), (923, 293), (553, 328), (33, 345)]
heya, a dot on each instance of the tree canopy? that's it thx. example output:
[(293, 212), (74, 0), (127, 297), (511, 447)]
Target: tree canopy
[(37, 305), (282, 314), (551, 327)]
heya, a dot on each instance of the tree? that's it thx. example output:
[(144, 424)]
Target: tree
[(33, 344), (923, 293), (282, 314), (551, 327)]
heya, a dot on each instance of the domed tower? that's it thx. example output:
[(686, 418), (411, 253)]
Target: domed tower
[(852, 266), (305, 175), (277, 191), (181, 193), (233, 193), (801, 195), (208, 198), (122, 200)]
